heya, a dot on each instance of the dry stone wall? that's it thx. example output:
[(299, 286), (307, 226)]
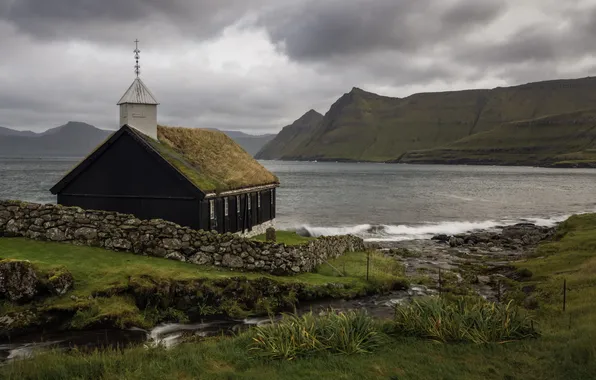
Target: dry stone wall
[(122, 232)]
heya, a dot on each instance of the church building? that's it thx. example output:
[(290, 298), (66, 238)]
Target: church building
[(194, 177)]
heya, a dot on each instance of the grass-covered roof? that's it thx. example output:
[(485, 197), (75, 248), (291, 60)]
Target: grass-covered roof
[(209, 159)]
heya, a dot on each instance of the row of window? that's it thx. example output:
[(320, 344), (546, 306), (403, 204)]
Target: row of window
[(226, 204)]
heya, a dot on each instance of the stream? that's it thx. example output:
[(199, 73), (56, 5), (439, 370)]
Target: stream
[(169, 335)]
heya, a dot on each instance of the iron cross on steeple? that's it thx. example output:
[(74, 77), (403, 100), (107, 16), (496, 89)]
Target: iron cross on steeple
[(137, 51)]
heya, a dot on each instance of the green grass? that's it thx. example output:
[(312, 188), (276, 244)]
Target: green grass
[(352, 332), (287, 238), (116, 287), (563, 140), (565, 349), (463, 319)]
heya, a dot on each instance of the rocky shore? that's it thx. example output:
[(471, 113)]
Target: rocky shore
[(478, 262), (517, 237)]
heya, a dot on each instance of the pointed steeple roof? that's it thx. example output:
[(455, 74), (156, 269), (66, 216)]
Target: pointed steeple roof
[(138, 93)]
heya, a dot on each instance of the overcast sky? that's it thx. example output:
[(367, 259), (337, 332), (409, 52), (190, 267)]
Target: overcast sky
[(256, 65)]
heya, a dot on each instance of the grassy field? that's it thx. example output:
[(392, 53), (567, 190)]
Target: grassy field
[(565, 349), (108, 284)]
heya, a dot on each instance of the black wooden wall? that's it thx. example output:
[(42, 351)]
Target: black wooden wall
[(126, 178), (242, 220), (126, 168), (180, 211)]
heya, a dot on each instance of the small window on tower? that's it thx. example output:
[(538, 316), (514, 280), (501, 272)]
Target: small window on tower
[(225, 206)]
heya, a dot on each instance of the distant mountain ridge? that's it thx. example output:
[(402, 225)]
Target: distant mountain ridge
[(445, 127), (12, 132), (77, 139), (250, 143), (73, 139)]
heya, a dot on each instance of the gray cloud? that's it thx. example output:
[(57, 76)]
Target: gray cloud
[(314, 30), (109, 20), (538, 51), (255, 65)]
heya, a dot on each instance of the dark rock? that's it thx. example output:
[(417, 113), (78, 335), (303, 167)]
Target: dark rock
[(270, 235), (201, 259), (122, 244), (85, 233), (232, 261), (171, 244), (60, 281), (55, 234), (442, 238), (208, 249), (176, 256), (18, 280)]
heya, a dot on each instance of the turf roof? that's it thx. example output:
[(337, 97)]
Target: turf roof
[(211, 160)]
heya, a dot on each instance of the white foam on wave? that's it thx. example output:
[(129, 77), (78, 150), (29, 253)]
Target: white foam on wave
[(388, 233)]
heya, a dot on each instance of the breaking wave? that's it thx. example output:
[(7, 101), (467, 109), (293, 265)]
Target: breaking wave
[(381, 232)]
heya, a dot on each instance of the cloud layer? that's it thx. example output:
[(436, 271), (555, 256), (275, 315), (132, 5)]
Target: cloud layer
[(255, 65)]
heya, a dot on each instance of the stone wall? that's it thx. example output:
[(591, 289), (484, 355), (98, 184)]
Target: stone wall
[(257, 230), (121, 232)]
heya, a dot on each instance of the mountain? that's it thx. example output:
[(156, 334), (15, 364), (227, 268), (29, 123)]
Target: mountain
[(446, 127), (564, 140), (11, 132), (250, 143), (291, 136), (74, 139)]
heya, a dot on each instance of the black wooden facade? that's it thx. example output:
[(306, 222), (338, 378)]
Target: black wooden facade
[(127, 175)]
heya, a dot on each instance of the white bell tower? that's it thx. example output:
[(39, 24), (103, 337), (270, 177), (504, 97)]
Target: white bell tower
[(138, 107)]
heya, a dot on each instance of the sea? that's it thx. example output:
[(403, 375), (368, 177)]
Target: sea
[(380, 202)]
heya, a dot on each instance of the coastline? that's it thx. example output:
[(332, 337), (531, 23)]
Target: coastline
[(457, 162)]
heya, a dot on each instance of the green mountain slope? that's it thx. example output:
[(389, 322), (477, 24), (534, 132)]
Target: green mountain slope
[(290, 136), (362, 126), (562, 140)]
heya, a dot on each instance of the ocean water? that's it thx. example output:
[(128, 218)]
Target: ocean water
[(381, 202)]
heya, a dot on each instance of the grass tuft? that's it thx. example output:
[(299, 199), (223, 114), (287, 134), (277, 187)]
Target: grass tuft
[(353, 332), (462, 319)]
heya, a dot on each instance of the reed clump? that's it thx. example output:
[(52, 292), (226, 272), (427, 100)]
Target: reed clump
[(352, 332), (463, 319)]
